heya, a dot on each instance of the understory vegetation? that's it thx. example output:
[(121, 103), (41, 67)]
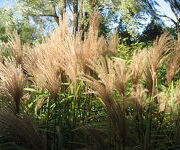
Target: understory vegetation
[(89, 92)]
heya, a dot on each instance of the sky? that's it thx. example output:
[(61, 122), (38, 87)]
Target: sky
[(6, 3), (163, 9)]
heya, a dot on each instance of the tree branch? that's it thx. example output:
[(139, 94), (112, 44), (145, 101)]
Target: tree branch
[(175, 23), (46, 15)]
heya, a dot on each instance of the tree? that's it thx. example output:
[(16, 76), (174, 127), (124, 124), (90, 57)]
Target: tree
[(152, 30), (132, 11), (41, 8), (47, 12), (9, 23)]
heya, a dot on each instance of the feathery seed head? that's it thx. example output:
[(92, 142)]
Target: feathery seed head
[(12, 82)]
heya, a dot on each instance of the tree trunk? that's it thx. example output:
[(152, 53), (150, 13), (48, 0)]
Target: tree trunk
[(63, 9), (76, 16), (178, 30)]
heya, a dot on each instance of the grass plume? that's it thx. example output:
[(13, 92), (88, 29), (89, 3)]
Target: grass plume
[(12, 83), (21, 130)]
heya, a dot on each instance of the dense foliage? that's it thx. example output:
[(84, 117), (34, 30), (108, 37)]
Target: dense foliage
[(70, 81)]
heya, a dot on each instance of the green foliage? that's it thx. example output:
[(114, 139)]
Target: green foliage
[(151, 32), (7, 23), (28, 33), (126, 50), (71, 110)]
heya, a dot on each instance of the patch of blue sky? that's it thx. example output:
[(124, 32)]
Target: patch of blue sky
[(165, 9), (7, 3)]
